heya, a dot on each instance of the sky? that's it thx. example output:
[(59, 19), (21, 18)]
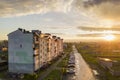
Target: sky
[(69, 19)]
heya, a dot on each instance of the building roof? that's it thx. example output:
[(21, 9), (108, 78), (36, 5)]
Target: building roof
[(105, 59), (20, 30)]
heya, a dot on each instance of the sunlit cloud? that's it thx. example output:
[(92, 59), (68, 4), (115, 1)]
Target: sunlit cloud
[(58, 33), (113, 28), (97, 34), (106, 9), (26, 7), (62, 17), (89, 35)]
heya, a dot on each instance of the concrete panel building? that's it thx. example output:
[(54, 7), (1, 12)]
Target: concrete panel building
[(112, 65), (22, 57), (29, 51)]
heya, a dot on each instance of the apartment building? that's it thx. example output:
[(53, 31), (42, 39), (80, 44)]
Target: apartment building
[(54, 46), (23, 51), (31, 49), (45, 48), (60, 45)]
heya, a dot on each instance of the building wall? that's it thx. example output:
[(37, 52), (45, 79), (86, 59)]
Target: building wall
[(43, 51), (20, 52), (36, 59), (53, 49), (29, 51), (49, 50), (56, 47), (36, 53)]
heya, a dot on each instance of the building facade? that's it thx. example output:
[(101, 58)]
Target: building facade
[(29, 51)]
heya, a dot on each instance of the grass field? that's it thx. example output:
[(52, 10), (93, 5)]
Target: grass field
[(54, 75), (90, 52), (63, 63)]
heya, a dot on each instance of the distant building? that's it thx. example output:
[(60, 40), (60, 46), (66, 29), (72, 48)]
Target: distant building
[(3, 45), (29, 51), (112, 65)]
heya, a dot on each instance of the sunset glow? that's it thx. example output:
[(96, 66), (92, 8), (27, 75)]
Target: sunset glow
[(84, 20), (109, 37)]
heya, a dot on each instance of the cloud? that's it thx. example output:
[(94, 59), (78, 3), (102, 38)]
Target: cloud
[(57, 33), (89, 35), (106, 9), (57, 28), (27, 7), (114, 28), (97, 35)]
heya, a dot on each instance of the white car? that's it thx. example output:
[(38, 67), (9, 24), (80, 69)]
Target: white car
[(70, 70)]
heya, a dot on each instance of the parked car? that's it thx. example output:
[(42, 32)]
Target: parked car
[(71, 65), (70, 70), (71, 62)]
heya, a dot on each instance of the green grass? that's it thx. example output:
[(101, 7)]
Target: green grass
[(4, 55), (63, 63), (90, 58), (2, 75), (117, 59), (30, 77), (54, 75), (69, 48), (106, 75)]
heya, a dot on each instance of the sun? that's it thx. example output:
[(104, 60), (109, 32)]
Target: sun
[(109, 37)]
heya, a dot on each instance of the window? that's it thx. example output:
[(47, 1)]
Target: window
[(37, 39), (20, 45)]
